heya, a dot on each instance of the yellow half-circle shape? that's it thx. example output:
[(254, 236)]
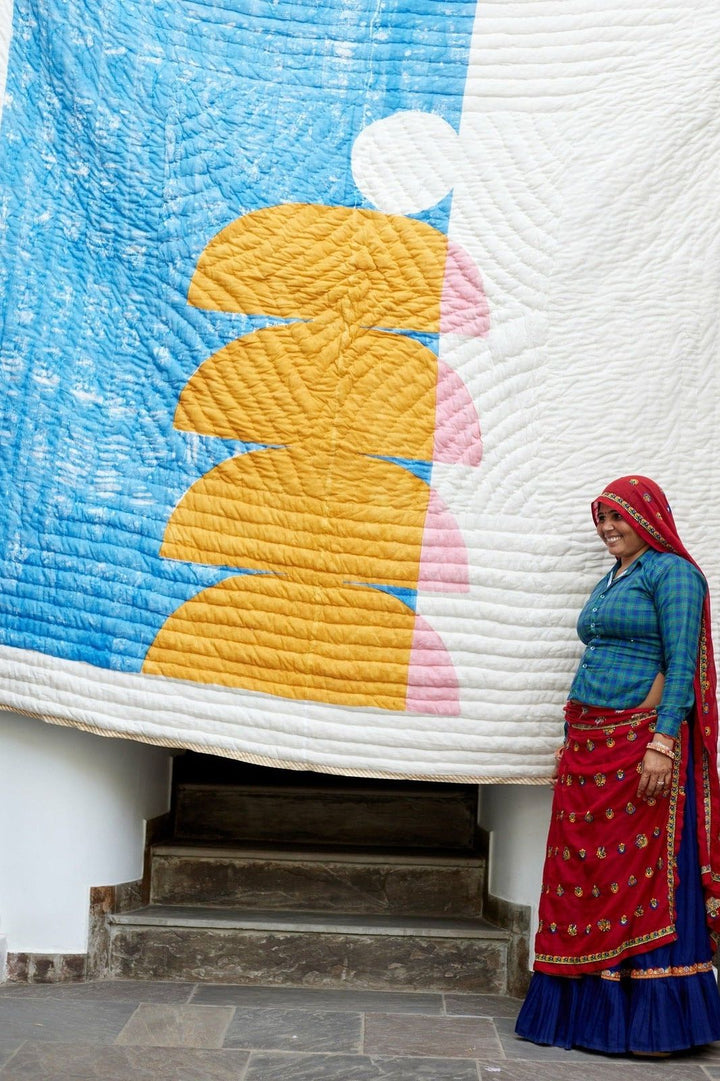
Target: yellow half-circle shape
[(306, 515), (344, 645), (300, 260), (373, 392)]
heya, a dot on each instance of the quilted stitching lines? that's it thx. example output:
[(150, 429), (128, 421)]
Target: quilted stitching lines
[(334, 519)]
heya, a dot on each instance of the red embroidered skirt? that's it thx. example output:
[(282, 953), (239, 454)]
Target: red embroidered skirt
[(608, 888)]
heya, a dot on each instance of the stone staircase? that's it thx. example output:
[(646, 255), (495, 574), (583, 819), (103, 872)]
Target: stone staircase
[(279, 877)]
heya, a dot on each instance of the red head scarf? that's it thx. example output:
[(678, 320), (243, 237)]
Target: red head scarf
[(644, 506)]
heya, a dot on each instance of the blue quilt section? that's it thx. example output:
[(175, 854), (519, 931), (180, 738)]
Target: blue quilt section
[(132, 133)]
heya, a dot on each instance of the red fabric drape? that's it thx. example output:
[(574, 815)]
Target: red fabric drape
[(609, 879)]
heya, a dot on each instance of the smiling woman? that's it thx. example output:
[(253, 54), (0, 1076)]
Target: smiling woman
[(631, 885), (622, 541)]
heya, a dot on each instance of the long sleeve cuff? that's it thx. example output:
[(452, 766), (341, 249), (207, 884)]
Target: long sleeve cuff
[(668, 722)]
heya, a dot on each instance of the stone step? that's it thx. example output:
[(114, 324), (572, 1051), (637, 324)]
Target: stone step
[(221, 945), (353, 880), (442, 816)]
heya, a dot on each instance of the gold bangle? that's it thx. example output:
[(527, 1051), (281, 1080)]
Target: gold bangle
[(661, 749)]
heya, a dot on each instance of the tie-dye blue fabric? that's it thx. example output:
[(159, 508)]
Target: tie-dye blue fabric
[(132, 133)]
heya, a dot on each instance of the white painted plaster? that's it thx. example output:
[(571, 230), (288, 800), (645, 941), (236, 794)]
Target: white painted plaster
[(73, 808), (517, 818)]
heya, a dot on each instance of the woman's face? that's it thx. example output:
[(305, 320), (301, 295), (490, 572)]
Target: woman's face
[(619, 538)]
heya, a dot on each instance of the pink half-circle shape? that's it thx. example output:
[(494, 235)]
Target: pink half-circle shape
[(443, 558), (457, 427), (432, 679), (463, 307)]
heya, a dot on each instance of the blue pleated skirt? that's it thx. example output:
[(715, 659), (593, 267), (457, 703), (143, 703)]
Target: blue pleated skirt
[(667, 1013)]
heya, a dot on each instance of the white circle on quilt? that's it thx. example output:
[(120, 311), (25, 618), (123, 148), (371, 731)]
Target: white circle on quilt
[(406, 162)]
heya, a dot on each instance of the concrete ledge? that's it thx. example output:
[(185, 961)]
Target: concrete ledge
[(309, 958), (515, 919), (46, 967), (186, 916)]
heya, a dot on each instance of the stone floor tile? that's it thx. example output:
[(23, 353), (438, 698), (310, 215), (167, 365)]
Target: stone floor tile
[(294, 1030), (50, 1019), (301, 998), (516, 1048), (528, 1071), (7, 1049), (708, 1055), (592, 1068), (100, 991), (162, 1025), (441, 1037), (88, 1062), (279, 1067), (482, 1005)]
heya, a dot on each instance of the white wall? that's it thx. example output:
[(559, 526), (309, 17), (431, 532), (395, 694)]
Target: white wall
[(517, 818), (72, 815)]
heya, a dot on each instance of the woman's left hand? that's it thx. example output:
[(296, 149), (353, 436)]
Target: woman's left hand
[(656, 774)]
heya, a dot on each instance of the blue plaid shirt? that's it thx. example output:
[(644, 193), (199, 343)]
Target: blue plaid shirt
[(647, 621)]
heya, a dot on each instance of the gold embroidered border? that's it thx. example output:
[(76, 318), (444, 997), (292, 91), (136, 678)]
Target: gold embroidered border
[(656, 973), (609, 723), (592, 958), (703, 659), (707, 798), (672, 822)]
